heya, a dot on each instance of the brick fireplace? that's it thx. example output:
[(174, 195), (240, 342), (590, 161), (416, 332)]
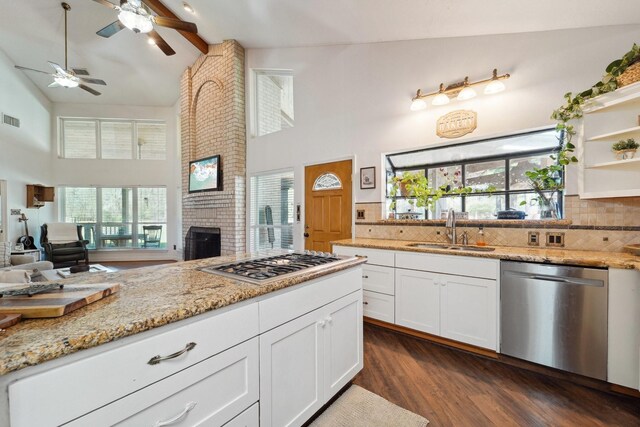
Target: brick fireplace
[(212, 120)]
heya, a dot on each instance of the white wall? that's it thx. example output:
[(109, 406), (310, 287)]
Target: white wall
[(75, 172), (25, 152), (353, 100)]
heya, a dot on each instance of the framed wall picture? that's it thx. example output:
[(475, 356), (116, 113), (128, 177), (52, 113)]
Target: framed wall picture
[(205, 175), (368, 178)]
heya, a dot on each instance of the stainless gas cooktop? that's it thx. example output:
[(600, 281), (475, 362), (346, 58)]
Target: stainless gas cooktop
[(267, 269)]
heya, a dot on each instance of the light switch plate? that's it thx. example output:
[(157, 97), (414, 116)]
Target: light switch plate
[(534, 238)]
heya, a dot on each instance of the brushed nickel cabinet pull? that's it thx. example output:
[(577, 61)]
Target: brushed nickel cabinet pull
[(365, 277), (178, 418), (157, 359), (365, 303)]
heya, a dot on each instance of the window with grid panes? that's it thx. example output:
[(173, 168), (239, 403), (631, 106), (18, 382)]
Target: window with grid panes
[(271, 211), (116, 217), (498, 163), (113, 139)]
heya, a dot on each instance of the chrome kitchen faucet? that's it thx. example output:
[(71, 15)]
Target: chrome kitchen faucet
[(451, 226)]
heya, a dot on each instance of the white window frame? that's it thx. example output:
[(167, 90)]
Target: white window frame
[(253, 90), (98, 126), (135, 222), (250, 203)]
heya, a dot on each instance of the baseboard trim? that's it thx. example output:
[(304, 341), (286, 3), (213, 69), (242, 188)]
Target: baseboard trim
[(434, 338)]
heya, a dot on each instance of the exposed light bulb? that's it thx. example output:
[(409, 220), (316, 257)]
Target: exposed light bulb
[(466, 93), (66, 81), (495, 86), (418, 104), (135, 22), (440, 99)]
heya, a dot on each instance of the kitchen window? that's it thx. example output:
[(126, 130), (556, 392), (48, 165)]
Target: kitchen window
[(499, 164), (117, 217), (271, 211), (112, 139), (272, 101)]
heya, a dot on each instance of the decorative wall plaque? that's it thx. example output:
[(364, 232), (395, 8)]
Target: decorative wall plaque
[(456, 124)]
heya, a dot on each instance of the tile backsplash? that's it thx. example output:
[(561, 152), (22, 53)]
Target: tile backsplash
[(602, 225)]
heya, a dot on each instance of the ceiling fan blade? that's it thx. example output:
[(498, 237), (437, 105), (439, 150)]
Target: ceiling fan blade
[(31, 69), (92, 81), (110, 29), (177, 24), (163, 45), (88, 89), (106, 3), (58, 68), (54, 84)]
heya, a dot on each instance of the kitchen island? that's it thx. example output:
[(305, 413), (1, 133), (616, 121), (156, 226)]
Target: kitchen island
[(214, 322)]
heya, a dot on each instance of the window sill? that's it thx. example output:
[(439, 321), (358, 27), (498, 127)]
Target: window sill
[(507, 223)]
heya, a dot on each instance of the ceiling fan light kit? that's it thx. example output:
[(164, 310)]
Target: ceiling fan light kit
[(66, 77), (136, 16)]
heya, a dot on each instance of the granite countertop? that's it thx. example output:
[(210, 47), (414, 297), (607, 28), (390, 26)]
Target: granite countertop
[(512, 253), (149, 297)]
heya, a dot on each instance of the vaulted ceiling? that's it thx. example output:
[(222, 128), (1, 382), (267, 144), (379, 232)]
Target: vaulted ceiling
[(32, 32)]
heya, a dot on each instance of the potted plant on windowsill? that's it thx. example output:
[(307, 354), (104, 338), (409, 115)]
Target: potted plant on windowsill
[(420, 193), (625, 149)]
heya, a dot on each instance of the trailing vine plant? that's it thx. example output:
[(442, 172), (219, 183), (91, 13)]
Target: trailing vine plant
[(547, 179)]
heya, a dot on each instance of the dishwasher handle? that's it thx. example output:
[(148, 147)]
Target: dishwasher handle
[(558, 279)]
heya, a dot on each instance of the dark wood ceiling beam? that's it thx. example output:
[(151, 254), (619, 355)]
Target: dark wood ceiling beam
[(162, 10)]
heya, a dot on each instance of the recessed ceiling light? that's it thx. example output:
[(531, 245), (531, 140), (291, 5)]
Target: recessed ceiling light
[(151, 41), (188, 7)]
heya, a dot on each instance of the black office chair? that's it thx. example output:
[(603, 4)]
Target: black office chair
[(61, 249), (151, 235)]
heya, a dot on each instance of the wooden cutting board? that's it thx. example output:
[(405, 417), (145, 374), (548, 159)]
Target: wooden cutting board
[(57, 302), (7, 320)]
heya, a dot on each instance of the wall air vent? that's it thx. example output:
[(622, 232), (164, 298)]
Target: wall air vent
[(11, 121)]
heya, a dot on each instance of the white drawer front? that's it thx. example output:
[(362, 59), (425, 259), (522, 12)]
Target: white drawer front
[(378, 279), (293, 302), (249, 418), (378, 306), (449, 264), (374, 256), (70, 391), (207, 394)]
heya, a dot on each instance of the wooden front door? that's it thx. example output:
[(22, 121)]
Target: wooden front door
[(327, 204)]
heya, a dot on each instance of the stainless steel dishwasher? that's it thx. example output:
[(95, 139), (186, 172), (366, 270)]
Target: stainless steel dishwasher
[(555, 315)]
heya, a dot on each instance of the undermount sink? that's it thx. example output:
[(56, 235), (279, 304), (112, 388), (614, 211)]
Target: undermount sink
[(451, 247)]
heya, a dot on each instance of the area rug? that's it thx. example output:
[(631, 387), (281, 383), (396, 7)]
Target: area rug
[(358, 407)]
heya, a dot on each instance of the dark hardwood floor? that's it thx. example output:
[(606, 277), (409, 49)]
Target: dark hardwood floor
[(454, 388)]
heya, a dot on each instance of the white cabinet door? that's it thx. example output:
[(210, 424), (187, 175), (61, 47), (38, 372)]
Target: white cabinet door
[(418, 300), (343, 342), (291, 372), (468, 310)]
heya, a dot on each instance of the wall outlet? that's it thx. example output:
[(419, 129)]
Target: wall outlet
[(15, 212), (534, 238), (360, 214), (555, 239)]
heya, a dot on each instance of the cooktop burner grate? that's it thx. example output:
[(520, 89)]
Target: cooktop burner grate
[(267, 269)]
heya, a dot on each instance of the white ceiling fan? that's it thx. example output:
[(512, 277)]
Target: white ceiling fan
[(65, 77), (136, 16)]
